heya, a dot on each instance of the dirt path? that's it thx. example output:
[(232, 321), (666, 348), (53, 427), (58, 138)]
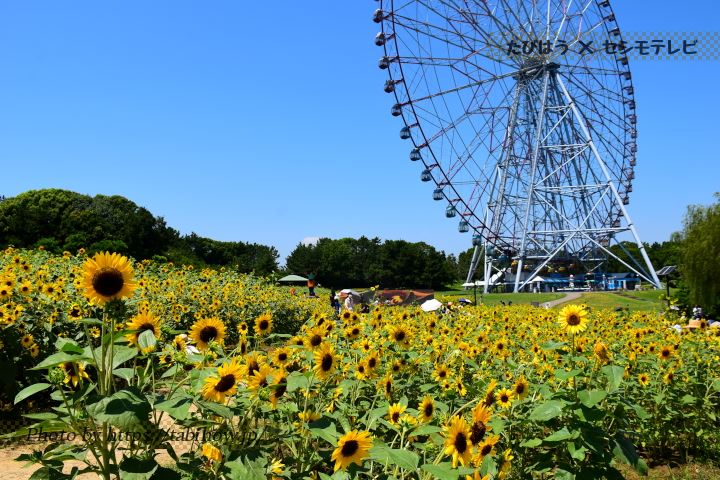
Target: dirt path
[(569, 297)]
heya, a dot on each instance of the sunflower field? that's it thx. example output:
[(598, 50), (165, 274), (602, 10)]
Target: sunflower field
[(119, 361)]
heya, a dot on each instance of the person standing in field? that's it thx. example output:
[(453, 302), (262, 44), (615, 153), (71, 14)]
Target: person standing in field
[(349, 302)]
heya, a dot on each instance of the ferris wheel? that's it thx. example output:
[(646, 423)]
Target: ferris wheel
[(522, 114)]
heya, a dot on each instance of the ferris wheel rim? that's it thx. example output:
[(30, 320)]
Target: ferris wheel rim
[(626, 93)]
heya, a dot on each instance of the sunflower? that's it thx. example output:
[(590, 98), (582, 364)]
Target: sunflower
[(386, 385), (315, 337), (394, 413), (260, 378), (505, 397), (74, 373), (263, 324), (486, 448), (426, 408), (601, 352), (325, 361), (180, 342), (242, 329), (521, 387), (107, 277), (26, 341), (665, 353), (400, 334), (442, 373), (373, 361), (211, 452), (281, 356), (140, 323), (643, 379), (207, 330), (26, 288), (279, 387), (5, 292), (573, 319), (34, 350), (457, 441), (479, 427), (490, 395), (352, 332), (352, 447), (224, 384), (505, 464)]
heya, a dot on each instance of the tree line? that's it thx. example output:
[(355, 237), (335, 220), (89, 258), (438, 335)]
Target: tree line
[(349, 262), (62, 220)]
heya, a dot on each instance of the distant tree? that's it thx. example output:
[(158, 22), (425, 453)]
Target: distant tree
[(701, 255)]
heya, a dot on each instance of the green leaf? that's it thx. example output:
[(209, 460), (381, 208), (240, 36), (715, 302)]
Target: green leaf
[(178, 407), (246, 470), (552, 345), (641, 412), (324, 428), (560, 435), (31, 390), (547, 410), (124, 373), (561, 474), (132, 468), (297, 380), (578, 453), (614, 375), (688, 399), (443, 471), (532, 443), (563, 375), (394, 456), (147, 340), (625, 452), (57, 358), (128, 410), (217, 409), (590, 398), (123, 353)]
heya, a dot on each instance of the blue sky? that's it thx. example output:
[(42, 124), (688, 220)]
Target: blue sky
[(266, 121)]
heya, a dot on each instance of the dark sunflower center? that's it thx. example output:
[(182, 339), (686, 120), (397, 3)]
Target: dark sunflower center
[(108, 282), (208, 333), (147, 326), (327, 362), (281, 389), (504, 398), (225, 383), (355, 331), (399, 336), (490, 399), (264, 324), (243, 348), (428, 409), (395, 416), (666, 353), (573, 320), (361, 369), (372, 362), (460, 443), (477, 432), (282, 356), (388, 387), (349, 448), (442, 374), (253, 367), (485, 450), (520, 389), (315, 340)]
